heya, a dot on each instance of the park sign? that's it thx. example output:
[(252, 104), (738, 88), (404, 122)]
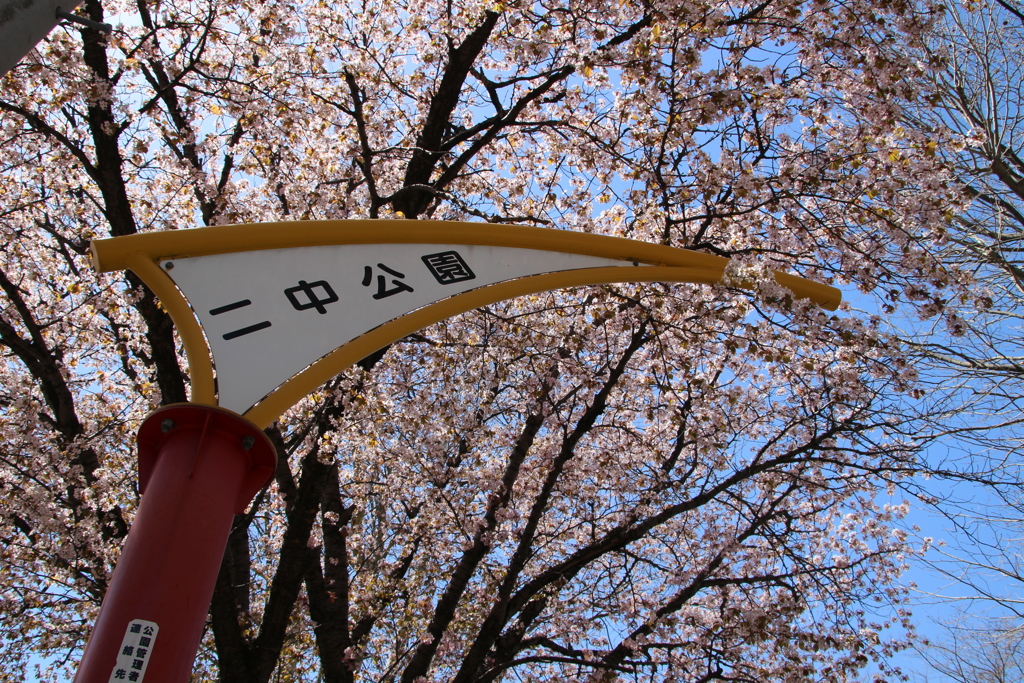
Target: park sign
[(277, 309), (283, 307)]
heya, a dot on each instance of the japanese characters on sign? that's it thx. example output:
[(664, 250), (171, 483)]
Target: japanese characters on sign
[(447, 267), (268, 314), (383, 291), (310, 297), (241, 332), (136, 651)]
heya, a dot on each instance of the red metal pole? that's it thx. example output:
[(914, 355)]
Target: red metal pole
[(198, 467)]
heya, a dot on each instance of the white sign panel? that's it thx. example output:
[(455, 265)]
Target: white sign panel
[(136, 651), (269, 314)]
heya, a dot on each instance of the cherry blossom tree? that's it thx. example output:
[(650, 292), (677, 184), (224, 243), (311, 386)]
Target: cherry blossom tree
[(623, 482)]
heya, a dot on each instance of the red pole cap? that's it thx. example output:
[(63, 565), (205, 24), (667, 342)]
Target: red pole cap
[(189, 416)]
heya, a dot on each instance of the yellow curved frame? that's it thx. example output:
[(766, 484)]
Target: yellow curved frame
[(143, 252)]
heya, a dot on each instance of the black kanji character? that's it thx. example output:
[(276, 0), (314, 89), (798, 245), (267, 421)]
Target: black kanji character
[(313, 300), (143, 642), (148, 630), (136, 628), (133, 675), (382, 286), (141, 652), (137, 664), (127, 650), (448, 267), (241, 331), (120, 674)]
